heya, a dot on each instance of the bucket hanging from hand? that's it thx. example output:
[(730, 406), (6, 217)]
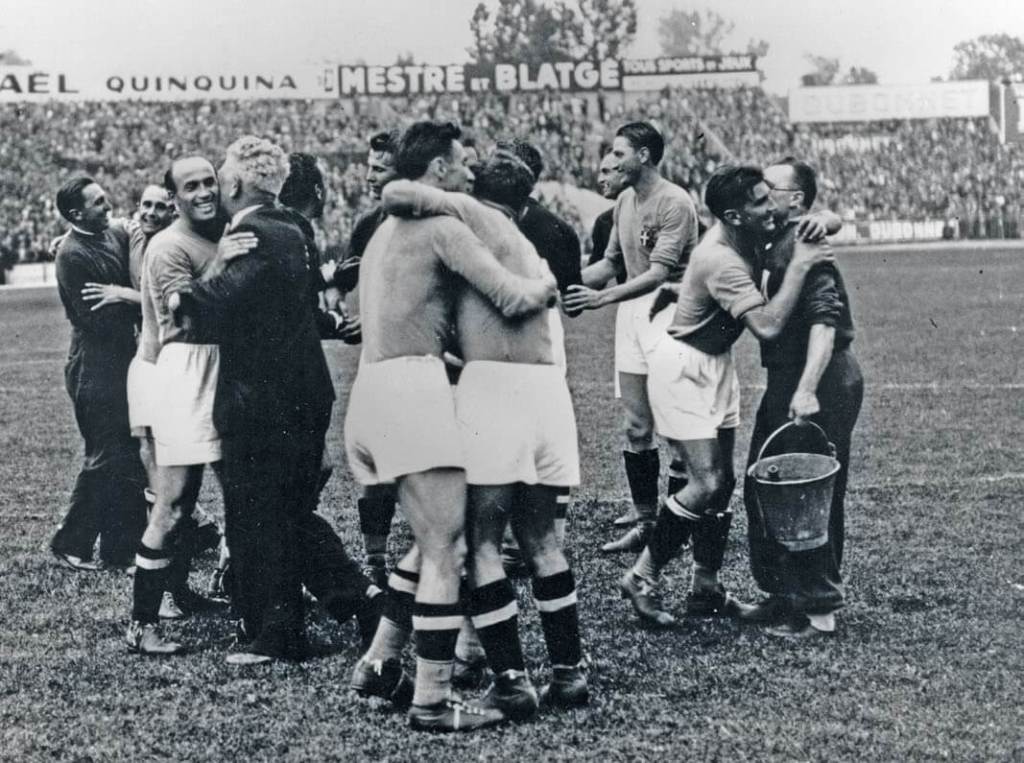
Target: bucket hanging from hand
[(794, 491)]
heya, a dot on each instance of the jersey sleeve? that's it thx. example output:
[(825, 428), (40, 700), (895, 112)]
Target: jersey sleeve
[(170, 269), (731, 286), (677, 233), (819, 300)]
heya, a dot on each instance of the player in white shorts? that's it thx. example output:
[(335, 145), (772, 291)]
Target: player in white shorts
[(694, 392), (184, 382), (519, 434), (409, 277), (654, 230), (156, 211)]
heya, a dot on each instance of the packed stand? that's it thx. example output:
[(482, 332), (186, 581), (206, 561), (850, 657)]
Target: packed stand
[(950, 169)]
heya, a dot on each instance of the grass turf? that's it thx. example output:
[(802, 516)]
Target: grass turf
[(927, 663)]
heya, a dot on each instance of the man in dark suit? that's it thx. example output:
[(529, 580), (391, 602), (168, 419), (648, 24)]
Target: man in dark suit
[(272, 409), (107, 499)]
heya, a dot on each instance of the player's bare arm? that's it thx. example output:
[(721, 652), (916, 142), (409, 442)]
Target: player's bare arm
[(819, 352), (766, 323), (580, 297)]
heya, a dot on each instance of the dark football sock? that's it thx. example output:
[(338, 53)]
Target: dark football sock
[(396, 622), (710, 538), (437, 629), (673, 529), (495, 615), (642, 471), (151, 568), (555, 596)]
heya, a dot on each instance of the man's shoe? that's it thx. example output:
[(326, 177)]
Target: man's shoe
[(798, 628), (633, 541), (192, 603), (646, 601), (628, 519), (469, 674), (144, 638), (715, 603), (384, 679), (169, 609), (452, 715), (245, 659), (512, 694), (771, 610), (568, 688), (73, 562)]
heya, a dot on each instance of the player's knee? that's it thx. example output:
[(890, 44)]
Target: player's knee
[(639, 433)]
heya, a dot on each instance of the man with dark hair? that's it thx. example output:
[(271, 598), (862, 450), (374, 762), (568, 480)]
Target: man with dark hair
[(401, 425), (519, 433), (377, 504), (183, 380), (305, 193), (380, 170), (654, 231), (694, 391), (108, 496), (813, 376), (610, 184)]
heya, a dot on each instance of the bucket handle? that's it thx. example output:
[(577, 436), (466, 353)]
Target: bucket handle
[(826, 443)]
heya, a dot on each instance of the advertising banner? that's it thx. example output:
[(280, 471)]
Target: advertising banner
[(869, 103), (26, 83), (30, 83)]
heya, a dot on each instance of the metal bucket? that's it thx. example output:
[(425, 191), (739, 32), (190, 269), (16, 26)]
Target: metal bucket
[(794, 491)]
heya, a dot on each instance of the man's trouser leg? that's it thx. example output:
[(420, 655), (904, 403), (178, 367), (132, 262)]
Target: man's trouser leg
[(811, 579), (262, 498)]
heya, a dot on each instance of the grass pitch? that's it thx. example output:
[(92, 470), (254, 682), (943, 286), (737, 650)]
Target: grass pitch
[(927, 663)]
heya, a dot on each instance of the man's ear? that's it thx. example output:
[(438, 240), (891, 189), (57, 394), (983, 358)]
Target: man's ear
[(731, 217), (644, 155), (438, 167), (235, 188), (798, 196)]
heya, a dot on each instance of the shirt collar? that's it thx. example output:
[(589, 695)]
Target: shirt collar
[(82, 231), (237, 217)]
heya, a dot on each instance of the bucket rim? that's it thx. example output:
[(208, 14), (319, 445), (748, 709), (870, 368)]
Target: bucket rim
[(836, 466)]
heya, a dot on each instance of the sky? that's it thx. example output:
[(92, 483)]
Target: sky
[(904, 41)]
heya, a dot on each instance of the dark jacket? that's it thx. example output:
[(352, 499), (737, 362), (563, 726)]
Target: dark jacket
[(823, 300), (273, 378)]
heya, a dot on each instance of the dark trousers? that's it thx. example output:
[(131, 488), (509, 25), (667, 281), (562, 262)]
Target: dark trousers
[(107, 500), (277, 542), (811, 580)]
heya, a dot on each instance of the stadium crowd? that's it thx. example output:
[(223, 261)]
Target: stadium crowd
[(952, 169)]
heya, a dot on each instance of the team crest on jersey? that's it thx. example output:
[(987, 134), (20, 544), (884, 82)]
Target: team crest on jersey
[(648, 237)]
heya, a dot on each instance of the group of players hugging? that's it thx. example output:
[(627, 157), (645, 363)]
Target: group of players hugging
[(460, 413)]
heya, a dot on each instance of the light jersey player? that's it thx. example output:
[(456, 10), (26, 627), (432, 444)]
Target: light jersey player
[(519, 434), (184, 384), (653, 233), (401, 426), (693, 387)]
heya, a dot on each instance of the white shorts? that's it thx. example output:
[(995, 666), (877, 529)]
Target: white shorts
[(401, 420), (636, 335), (692, 394), (186, 381), (517, 425), (143, 397)]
